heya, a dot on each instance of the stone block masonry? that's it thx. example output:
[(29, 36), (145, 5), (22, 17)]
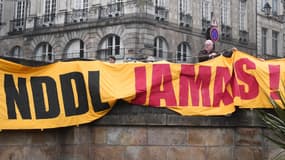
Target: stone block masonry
[(141, 133)]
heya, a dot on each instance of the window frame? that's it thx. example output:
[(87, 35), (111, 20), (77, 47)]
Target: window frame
[(264, 32), (274, 8), (225, 12), (243, 15), (206, 9), (44, 51), (183, 51), (275, 36), (49, 11), (1, 11), (160, 48)]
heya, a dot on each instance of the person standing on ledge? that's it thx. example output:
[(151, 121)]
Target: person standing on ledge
[(207, 52)]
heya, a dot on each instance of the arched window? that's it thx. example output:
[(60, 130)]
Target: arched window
[(111, 45), (44, 52), (75, 49), (160, 48), (16, 52), (183, 52)]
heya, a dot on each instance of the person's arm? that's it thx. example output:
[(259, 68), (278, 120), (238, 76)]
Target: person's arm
[(203, 56), (229, 53)]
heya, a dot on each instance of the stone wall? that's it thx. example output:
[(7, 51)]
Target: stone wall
[(131, 132)]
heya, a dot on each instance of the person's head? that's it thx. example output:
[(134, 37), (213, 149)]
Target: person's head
[(208, 45), (112, 59)]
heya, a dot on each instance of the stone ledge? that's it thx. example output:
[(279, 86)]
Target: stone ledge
[(134, 115)]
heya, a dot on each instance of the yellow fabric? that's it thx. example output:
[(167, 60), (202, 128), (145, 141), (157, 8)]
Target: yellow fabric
[(64, 93)]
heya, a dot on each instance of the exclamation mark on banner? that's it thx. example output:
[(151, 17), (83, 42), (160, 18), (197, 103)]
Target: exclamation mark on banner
[(274, 79)]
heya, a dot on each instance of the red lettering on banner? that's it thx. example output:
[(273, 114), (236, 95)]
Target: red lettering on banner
[(140, 76), (240, 68), (196, 84), (162, 87), (222, 80), (274, 79), (235, 86)]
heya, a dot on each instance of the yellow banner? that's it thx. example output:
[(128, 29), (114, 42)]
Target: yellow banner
[(72, 93)]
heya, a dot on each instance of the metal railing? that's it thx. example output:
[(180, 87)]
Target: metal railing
[(205, 25), (103, 54), (226, 32), (243, 37), (76, 16), (161, 13), (17, 25), (97, 13), (45, 21), (269, 56), (111, 10), (185, 20), (121, 54), (182, 57), (49, 57)]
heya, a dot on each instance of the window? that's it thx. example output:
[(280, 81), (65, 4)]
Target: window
[(20, 9), (264, 41), (161, 10), (80, 10), (160, 48), (118, 4), (20, 14), (185, 17), (275, 43), (111, 45), (81, 4), (242, 15), (49, 10), (16, 51), (160, 3), (75, 49), (183, 52), (183, 6), (115, 7), (226, 20), (225, 12), (44, 52), (274, 8), (206, 10), (1, 11), (262, 4)]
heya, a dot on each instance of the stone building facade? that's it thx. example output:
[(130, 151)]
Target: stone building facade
[(49, 30), (132, 132), (270, 29)]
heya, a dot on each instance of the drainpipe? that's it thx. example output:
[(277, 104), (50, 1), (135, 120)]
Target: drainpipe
[(256, 53)]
